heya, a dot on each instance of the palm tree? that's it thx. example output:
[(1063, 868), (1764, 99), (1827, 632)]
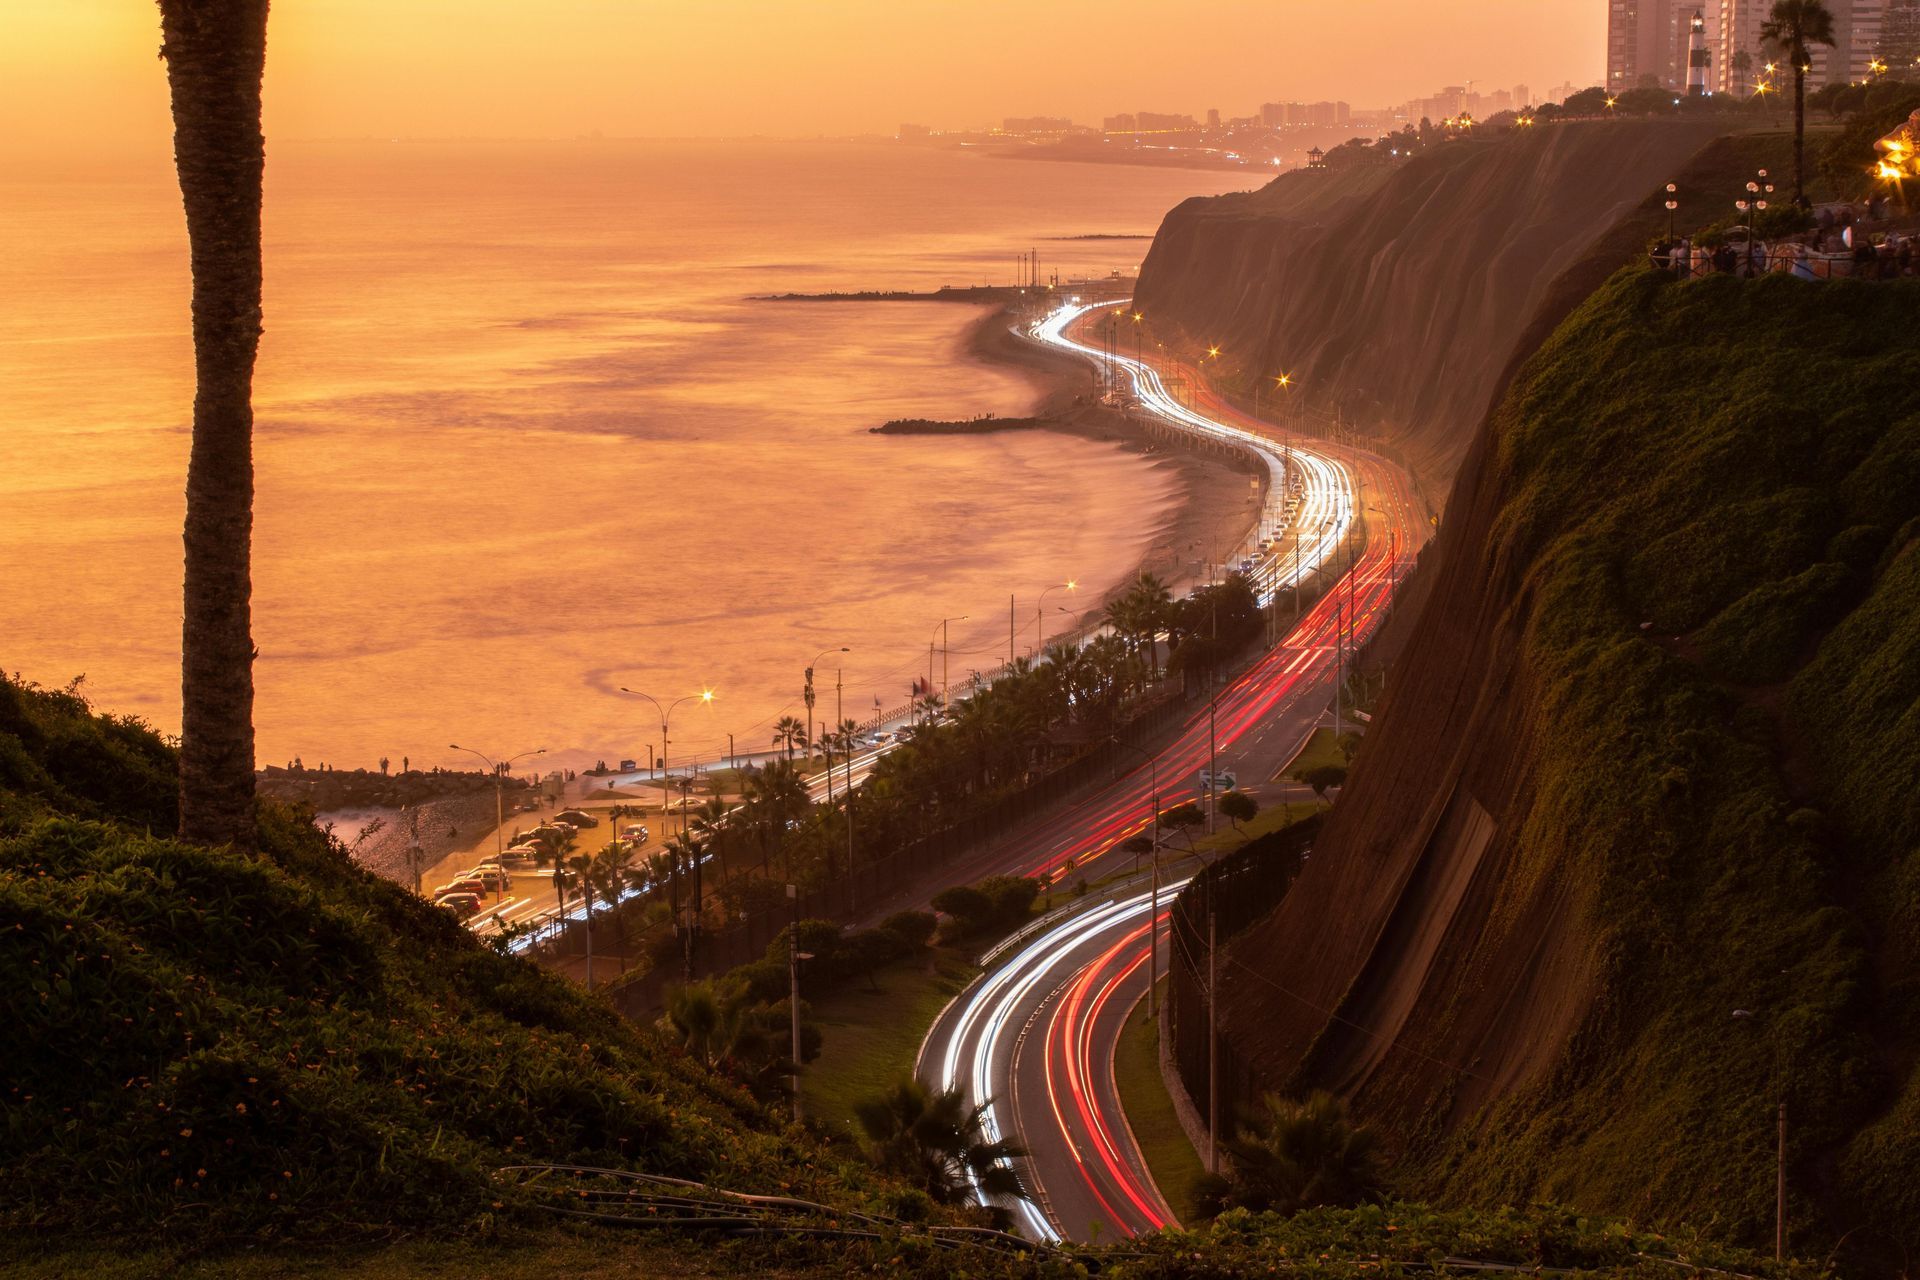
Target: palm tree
[(696, 1012), (789, 733), (216, 54), (1742, 68), (1794, 25), (774, 795), (1295, 1156), (935, 1141)]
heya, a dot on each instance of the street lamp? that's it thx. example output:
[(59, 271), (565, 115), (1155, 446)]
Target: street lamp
[(666, 719), (499, 806), (1757, 191), (705, 697), (1040, 618), (942, 629), (1672, 204)]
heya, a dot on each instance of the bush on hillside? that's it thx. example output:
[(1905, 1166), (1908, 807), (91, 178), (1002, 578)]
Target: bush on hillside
[(209, 1041)]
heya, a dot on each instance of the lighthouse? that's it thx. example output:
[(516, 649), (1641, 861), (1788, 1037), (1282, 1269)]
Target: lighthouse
[(1697, 56)]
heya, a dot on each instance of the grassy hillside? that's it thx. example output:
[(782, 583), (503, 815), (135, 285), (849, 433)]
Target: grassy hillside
[(1733, 467), (1630, 856), (287, 1044)]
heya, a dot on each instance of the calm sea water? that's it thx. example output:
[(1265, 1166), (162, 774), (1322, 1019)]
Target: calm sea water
[(523, 440)]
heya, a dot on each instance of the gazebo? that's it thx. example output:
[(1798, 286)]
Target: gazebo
[(1316, 158)]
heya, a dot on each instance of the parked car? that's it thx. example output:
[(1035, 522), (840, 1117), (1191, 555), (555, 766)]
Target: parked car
[(578, 818), (521, 854), (465, 884), (544, 830), (492, 877), (464, 905), (635, 834)]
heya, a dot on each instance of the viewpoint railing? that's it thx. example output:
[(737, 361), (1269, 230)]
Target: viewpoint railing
[(1234, 892)]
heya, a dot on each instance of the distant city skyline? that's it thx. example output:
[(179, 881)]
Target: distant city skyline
[(81, 71)]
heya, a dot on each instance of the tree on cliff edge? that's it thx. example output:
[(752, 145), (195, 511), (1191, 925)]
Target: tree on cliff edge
[(1794, 25), (216, 52)]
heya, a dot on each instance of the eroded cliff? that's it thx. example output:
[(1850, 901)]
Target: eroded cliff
[(1629, 856), (1397, 293)]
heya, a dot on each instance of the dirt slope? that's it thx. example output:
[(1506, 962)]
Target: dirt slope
[(1399, 293), (1646, 762)]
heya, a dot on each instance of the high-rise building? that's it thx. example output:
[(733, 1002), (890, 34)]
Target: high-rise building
[(1522, 96), (1899, 47), (1213, 117), (1861, 31)]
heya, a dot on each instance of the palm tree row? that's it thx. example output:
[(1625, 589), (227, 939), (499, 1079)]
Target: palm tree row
[(946, 765)]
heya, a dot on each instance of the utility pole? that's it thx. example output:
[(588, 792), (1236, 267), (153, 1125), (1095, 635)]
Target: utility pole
[(1213, 701), (793, 986), (1213, 1049), (1780, 1190), (1339, 669), (1153, 918)]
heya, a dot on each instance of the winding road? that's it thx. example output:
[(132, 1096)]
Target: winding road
[(1035, 1036)]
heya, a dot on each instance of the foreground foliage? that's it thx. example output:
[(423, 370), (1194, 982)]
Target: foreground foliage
[(284, 1043)]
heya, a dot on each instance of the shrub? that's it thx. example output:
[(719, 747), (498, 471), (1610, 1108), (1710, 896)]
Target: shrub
[(966, 906), (915, 928)]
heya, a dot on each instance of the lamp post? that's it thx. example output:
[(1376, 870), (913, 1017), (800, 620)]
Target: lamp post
[(499, 807), (1040, 617), (1672, 204), (666, 721), (1757, 192), (942, 628)]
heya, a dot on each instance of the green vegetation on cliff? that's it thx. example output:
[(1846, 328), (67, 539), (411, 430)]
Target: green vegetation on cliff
[(1709, 499)]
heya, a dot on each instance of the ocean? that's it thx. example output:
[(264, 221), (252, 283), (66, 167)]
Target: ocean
[(523, 438)]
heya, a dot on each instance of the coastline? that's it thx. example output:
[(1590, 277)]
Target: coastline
[(1217, 507)]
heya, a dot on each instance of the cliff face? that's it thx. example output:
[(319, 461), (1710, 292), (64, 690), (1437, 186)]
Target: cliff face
[(1631, 853), (1397, 294)]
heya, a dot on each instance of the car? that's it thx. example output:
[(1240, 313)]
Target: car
[(521, 854), (578, 818), (544, 830), (492, 877), (464, 905), (635, 833), (465, 884)]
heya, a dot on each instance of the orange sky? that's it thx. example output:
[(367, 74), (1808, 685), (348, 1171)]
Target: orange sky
[(75, 71)]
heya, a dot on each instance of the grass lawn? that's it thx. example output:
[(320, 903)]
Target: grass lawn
[(870, 1037), (1319, 750), (1170, 1158)]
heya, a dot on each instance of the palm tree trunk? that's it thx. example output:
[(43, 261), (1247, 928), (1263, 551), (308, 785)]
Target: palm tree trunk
[(216, 52)]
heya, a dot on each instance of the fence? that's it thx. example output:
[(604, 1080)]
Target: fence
[(840, 900), (1234, 891)]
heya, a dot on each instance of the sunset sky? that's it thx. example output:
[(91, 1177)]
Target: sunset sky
[(84, 71)]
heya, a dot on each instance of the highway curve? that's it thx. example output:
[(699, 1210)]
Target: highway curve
[(1035, 1036)]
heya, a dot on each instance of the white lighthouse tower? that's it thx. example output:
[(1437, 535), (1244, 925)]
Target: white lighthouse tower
[(1697, 56)]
